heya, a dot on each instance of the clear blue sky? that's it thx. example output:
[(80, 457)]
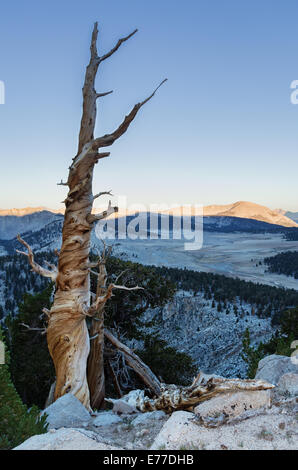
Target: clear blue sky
[(221, 129)]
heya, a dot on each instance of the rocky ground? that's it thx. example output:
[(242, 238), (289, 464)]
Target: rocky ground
[(243, 420), (213, 339)]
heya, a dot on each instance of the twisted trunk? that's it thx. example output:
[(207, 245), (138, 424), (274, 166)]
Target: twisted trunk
[(67, 333)]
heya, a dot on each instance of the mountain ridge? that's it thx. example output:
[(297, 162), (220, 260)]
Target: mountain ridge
[(13, 221)]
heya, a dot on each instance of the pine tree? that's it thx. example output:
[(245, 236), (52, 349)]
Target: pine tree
[(17, 423), (31, 366)]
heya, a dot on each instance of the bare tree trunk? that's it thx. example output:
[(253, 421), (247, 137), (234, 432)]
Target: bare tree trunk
[(67, 333), (96, 377)]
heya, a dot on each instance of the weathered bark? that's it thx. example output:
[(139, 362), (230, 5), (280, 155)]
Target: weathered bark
[(67, 334), (173, 397), (96, 377)]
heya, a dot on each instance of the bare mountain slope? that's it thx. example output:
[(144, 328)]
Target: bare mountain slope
[(250, 210)]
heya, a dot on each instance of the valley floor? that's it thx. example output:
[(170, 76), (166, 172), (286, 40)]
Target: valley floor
[(231, 254)]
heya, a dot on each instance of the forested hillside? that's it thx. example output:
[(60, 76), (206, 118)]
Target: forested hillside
[(283, 263), (264, 301)]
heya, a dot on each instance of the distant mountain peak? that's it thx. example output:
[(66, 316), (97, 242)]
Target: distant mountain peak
[(28, 211), (250, 210), (240, 209)]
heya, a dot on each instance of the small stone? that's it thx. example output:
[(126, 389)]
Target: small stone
[(143, 432), (150, 415), (122, 407), (106, 418)]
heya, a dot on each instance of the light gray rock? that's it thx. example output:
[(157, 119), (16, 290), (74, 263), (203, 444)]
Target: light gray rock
[(271, 368), (227, 406), (182, 431), (67, 412), (288, 385), (122, 407), (145, 418), (106, 418), (127, 402), (63, 439)]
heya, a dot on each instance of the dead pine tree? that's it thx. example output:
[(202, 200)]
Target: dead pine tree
[(67, 333)]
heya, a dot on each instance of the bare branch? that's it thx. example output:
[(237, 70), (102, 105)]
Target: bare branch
[(36, 267), (93, 272), (141, 369), (116, 47), (91, 218), (102, 194), (114, 378), (100, 300), (121, 274), (51, 265), (109, 139), (99, 156), (42, 330), (93, 337), (100, 95), (62, 183), (93, 47), (114, 286)]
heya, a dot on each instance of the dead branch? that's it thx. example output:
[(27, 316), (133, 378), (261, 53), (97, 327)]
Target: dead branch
[(29, 328), (100, 95), (114, 379), (141, 369), (116, 47), (114, 286), (91, 218), (109, 139), (35, 266), (102, 193), (70, 352), (62, 183), (174, 397)]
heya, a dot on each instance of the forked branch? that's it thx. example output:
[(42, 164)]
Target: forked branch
[(52, 274), (109, 139), (103, 193), (91, 218), (101, 300)]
